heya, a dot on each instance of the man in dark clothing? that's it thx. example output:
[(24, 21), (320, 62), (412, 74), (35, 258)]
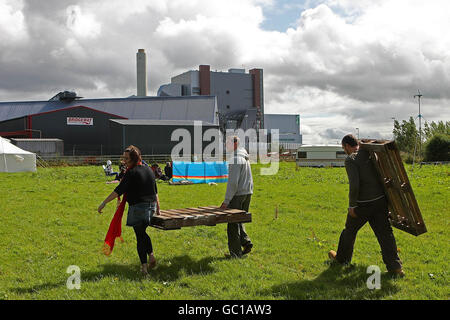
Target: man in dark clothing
[(367, 203), (168, 171)]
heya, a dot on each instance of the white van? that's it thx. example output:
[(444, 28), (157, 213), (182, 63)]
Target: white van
[(320, 156)]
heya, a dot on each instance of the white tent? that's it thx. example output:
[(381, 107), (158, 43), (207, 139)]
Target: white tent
[(14, 159)]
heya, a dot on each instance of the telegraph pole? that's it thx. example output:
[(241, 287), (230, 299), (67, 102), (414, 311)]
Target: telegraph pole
[(393, 128), (420, 123)]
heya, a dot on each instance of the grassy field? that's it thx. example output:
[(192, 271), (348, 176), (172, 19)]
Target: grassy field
[(49, 222)]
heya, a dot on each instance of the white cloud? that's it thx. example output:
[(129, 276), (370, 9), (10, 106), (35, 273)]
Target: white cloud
[(12, 22), (343, 64), (82, 24)]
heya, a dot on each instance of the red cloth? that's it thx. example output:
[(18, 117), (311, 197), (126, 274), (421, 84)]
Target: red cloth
[(115, 227)]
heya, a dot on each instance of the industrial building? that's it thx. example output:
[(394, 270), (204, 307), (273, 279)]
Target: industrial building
[(240, 95), (42, 147), (223, 100), (289, 129), (84, 124), (240, 101), (158, 135)]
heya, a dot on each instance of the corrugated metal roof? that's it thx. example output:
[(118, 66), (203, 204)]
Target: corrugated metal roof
[(320, 147), (43, 139), (203, 108), (146, 122)]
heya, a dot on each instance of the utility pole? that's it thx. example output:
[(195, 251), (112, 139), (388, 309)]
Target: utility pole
[(393, 128), (420, 123)]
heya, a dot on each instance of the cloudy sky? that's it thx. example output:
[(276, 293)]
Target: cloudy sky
[(340, 64)]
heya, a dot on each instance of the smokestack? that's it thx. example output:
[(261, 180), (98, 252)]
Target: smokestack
[(141, 65)]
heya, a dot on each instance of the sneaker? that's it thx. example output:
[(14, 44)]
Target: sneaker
[(247, 248)]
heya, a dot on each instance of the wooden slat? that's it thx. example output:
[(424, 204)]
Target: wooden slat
[(228, 215), (201, 218), (190, 212), (175, 212), (404, 212), (187, 217), (171, 214), (222, 211)]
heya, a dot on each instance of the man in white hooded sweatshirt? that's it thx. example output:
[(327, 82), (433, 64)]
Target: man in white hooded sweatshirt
[(238, 196)]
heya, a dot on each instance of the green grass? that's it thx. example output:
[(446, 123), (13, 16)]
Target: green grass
[(49, 222)]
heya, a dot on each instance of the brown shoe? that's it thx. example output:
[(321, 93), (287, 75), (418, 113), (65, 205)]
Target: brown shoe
[(247, 248), (398, 273), (332, 255)]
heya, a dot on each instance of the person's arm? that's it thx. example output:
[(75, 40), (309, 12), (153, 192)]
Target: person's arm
[(113, 195), (232, 185), (157, 206), (118, 191), (353, 180)]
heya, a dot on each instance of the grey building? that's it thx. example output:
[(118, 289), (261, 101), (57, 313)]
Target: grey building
[(42, 147), (288, 126), (84, 124), (154, 136), (240, 95)]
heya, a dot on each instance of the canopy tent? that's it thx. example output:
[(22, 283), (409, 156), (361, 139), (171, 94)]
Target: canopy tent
[(200, 172), (14, 159)]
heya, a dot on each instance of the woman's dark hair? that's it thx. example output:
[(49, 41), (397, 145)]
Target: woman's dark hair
[(135, 154), (350, 140)]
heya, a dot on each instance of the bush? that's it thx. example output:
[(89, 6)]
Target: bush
[(438, 148)]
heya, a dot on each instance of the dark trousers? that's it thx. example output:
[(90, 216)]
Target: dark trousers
[(237, 237), (376, 213), (144, 243)]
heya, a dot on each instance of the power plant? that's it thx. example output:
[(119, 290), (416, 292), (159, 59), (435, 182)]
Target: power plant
[(221, 100)]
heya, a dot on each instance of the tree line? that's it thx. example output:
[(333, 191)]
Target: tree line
[(435, 144)]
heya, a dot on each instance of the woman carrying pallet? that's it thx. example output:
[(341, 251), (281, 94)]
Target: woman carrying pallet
[(139, 189)]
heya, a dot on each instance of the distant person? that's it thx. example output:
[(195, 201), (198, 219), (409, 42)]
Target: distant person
[(122, 169), (238, 195), (168, 170), (157, 171), (367, 203), (109, 170), (140, 191)]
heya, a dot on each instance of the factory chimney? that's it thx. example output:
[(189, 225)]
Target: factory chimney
[(141, 65)]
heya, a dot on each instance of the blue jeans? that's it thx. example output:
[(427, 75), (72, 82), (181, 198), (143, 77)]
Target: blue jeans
[(140, 213)]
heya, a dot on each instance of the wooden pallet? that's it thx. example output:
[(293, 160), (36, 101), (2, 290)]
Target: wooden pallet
[(404, 212), (206, 216)]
